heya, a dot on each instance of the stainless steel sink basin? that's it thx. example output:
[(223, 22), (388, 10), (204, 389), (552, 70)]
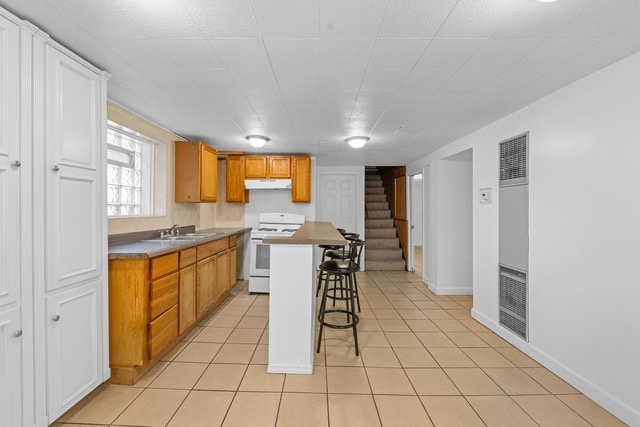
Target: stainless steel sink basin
[(201, 235), (189, 237)]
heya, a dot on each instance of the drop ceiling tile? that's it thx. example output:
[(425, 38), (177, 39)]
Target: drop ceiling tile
[(340, 79), (397, 53), (415, 98), (449, 53), (224, 19), (514, 79), (354, 18), (478, 19), (297, 18), (341, 101), (48, 19), (302, 79), (602, 54), (414, 18), (293, 54), (299, 98), (554, 52), (501, 53), (255, 79), (165, 18), (384, 79), (631, 31), (241, 53), (138, 53), (345, 53), (427, 79), (468, 79), (377, 98), (194, 52), (601, 19)]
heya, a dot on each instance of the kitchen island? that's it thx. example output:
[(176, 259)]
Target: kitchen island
[(292, 300)]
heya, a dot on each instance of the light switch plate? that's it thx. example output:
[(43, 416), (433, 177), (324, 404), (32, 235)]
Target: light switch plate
[(485, 195)]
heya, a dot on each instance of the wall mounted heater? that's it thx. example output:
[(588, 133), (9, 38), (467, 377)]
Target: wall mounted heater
[(514, 234)]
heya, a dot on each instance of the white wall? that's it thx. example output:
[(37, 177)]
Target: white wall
[(584, 232), (417, 198)]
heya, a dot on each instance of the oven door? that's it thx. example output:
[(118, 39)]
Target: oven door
[(259, 258)]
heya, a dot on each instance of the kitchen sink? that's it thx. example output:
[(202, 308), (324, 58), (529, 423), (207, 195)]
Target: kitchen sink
[(189, 237)]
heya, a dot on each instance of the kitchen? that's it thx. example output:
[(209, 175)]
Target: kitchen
[(607, 385)]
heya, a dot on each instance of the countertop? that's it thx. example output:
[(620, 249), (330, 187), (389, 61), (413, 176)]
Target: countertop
[(141, 249), (311, 233)]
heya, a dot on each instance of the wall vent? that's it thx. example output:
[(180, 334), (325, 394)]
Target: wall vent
[(514, 164), (513, 301)]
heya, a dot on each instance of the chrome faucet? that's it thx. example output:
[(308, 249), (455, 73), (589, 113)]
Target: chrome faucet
[(174, 231)]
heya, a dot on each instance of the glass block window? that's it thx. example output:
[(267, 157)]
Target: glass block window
[(129, 173)]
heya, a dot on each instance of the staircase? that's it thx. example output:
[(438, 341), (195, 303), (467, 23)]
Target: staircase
[(383, 250)]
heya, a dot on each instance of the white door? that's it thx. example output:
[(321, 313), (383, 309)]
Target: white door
[(73, 346), (73, 216), (10, 368), (338, 201)]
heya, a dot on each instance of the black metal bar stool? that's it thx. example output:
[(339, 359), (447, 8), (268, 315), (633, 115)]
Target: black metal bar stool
[(339, 278), (344, 253)]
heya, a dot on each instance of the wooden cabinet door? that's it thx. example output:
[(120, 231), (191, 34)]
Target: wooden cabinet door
[(205, 284), (279, 167), (301, 179), (233, 266), (255, 167), (222, 275), (235, 179), (10, 368), (208, 174), (187, 298)]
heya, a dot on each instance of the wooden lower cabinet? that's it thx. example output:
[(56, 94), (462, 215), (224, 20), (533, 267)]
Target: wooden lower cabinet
[(233, 267), (206, 278), (187, 298), (221, 287)]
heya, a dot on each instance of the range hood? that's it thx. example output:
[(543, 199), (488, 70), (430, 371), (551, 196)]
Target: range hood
[(267, 184)]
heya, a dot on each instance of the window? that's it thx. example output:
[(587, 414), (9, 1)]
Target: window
[(130, 172)]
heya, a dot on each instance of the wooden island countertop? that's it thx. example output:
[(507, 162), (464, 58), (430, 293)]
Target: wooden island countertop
[(310, 233)]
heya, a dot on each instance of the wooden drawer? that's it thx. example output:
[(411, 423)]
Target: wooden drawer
[(163, 294), (163, 265), (162, 331), (233, 240), (212, 248), (187, 257)]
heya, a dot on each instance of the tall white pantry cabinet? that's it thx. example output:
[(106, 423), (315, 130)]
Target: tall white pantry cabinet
[(53, 238)]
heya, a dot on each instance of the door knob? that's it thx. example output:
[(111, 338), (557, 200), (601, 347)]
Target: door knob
[(55, 168), (55, 318), (17, 333), (16, 164)]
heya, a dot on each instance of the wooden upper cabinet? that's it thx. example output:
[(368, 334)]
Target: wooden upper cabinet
[(196, 172), (279, 167), (255, 167), (301, 179), (235, 173)]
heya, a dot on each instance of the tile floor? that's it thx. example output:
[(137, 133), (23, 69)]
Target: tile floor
[(424, 362)]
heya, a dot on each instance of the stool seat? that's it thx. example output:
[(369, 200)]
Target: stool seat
[(338, 266), (341, 253)]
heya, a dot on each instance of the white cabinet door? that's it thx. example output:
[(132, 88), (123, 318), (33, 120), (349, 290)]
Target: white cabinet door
[(73, 343), (10, 368), (73, 172), (9, 156)]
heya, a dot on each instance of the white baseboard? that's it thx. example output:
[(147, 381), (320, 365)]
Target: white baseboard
[(450, 291), (287, 369), (602, 397)]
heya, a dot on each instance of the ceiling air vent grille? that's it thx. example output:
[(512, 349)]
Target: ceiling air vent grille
[(513, 301), (513, 160)]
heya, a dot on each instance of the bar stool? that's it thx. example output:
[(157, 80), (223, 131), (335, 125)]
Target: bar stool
[(339, 275), (343, 253)]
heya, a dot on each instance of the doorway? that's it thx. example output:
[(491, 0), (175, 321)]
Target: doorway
[(417, 222)]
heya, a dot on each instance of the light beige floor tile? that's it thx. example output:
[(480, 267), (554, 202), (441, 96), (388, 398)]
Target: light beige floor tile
[(179, 375), (449, 325), (450, 411), (434, 339), (253, 322), (221, 377), (258, 311), (389, 381), (171, 355), (352, 411), (473, 381), (493, 340), (451, 358), (550, 381), (194, 333), (303, 409), (338, 337), (431, 382), (426, 305), (518, 358), (473, 325), (514, 381), (151, 374), (437, 314), (261, 355), (394, 325), (369, 325), (449, 305), (234, 311), (488, 358), (314, 383), (224, 321), (422, 325), (153, 407), (500, 411), (103, 405), (415, 358), (403, 339), (386, 313), (265, 337), (402, 411), (211, 334), (198, 352), (347, 380), (257, 379), (590, 411), (342, 356), (411, 313), (235, 353), (379, 357), (253, 410), (549, 411), (245, 336), (202, 409), (466, 339), (76, 425), (460, 314), (372, 339)]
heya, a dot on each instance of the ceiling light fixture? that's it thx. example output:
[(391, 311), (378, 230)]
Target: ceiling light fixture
[(257, 140), (357, 141)]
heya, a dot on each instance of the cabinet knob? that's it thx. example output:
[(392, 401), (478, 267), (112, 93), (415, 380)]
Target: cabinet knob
[(55, 318), (16, 164), (55, 168), (17, 333)]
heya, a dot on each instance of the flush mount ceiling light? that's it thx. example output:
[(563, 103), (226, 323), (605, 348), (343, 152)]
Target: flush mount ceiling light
[(257, 140), (357, 141)]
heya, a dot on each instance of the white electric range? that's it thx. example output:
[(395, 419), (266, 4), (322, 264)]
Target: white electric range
[(271, 224)]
